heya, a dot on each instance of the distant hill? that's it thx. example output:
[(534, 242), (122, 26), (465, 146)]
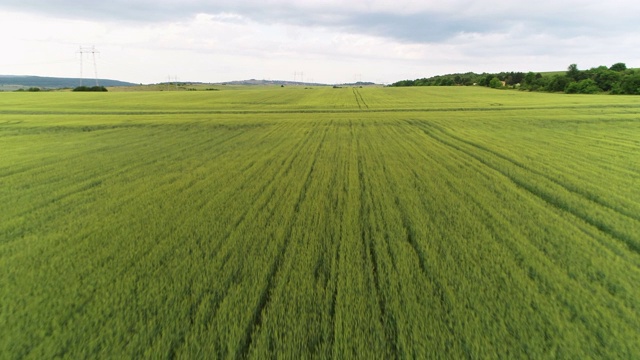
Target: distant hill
[(288, 83), (13, 82), (271, 82)]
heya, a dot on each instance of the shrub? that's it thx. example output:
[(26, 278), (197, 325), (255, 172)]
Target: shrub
[(586, 86), (495, 83), (92, 88), (631, 85)]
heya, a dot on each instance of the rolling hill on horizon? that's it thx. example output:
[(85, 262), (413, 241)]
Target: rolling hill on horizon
[(15, 82)]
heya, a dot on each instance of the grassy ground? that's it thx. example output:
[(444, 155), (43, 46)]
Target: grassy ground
[(346, 223)]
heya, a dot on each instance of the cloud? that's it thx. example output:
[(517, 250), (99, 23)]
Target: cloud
[(330, 40), (405, 20)]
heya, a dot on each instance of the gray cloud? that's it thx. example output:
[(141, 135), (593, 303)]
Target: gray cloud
[(421, 27), (331, 38), (419, 23), (139, 11)]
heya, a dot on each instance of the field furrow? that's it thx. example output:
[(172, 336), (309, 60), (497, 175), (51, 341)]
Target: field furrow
[(553, 193)]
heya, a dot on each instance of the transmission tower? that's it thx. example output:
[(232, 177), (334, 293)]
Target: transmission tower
[(173, 80), (88, 50)]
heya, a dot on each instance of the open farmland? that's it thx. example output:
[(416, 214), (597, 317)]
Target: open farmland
[(328, 223)]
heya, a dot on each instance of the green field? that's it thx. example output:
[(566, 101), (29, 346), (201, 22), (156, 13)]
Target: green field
[(369, 223)]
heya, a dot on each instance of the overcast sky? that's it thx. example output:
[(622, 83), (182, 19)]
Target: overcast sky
[(329, 41)]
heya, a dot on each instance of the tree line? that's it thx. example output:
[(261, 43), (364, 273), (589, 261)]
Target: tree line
[(616, 79), (90, 88)]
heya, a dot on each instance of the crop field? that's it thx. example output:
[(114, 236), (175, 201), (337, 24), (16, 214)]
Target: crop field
[(372, 223)]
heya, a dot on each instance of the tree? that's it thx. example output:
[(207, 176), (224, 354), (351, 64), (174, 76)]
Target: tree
[(586, 86), (606, 79), (517, 78), (618, 67), (495, 83), (92, 88), (558, 83), (573, 72), (528, 80), (446, 82), (631, 85), (484, 80), (509, 80), (535, 82), (573, 81)]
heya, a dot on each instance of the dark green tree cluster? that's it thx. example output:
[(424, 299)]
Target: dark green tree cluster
[(91, 88), (616, 79), (509, 78), (31, 89), (442, 80)]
